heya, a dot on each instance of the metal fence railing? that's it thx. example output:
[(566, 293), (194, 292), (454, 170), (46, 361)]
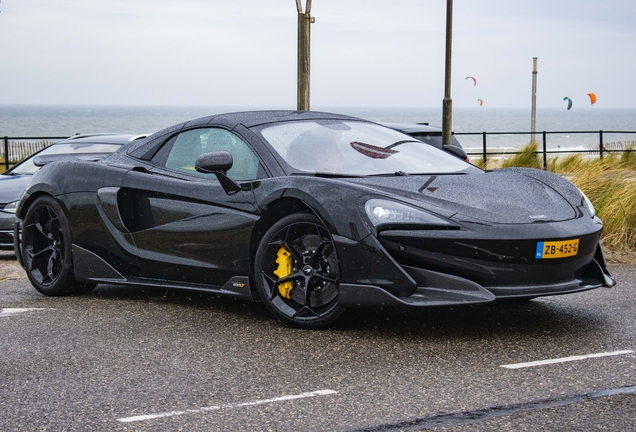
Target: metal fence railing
[(600, 148), (14, 149)]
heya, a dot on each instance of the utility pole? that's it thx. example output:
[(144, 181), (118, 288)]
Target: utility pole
[(533, 122), (447, 105), (304, 23)]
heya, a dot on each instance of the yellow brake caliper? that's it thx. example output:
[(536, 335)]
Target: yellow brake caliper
[(283, 259)]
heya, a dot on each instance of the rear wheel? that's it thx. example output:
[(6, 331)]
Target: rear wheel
[(46, 249), (297, 272)]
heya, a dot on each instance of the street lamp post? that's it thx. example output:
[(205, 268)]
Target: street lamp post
[(304, 22), (447, 106), (533, 115)]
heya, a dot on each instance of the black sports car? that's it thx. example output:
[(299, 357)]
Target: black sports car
[(310, 213)]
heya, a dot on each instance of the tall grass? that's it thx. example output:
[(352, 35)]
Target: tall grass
[(610, 183), (527, 157)]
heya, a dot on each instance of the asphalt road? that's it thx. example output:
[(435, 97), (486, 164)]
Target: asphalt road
[(142, 359)]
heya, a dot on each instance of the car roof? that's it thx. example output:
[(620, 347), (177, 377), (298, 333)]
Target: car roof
[(248, 119), (255, 118)]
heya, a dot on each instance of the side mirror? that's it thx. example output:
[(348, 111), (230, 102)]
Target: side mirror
[(456, 151), (218, 163), (214, 162)]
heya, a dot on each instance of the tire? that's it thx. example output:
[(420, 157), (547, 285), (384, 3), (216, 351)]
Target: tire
[(46, 250), (297, 272)]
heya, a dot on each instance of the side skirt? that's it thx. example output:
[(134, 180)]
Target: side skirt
[(90, 268)]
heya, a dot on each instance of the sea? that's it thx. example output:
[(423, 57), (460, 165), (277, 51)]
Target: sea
[(506, 128)]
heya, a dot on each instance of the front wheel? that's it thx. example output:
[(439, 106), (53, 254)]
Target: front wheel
[(46, 249), (297, 273)]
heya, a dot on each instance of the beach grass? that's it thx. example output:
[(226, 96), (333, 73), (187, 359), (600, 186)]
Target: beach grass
[(527, 157)]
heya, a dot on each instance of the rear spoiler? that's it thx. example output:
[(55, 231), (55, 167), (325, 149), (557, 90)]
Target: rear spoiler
[(42, 160)]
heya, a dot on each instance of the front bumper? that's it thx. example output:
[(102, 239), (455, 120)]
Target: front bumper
[(7, 221), (6, 240), (419, 272), (444, 290)]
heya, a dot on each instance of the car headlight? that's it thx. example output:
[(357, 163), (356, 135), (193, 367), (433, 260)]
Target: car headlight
[(382, 212), (588, 203), (11, 207)]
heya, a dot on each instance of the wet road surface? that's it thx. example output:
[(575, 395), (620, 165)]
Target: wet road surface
[(143, 359)]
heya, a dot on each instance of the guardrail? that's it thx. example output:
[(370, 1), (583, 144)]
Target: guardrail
[(601, 149), (13, 152)]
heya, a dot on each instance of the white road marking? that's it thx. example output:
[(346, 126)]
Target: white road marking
[(13, 311), (227, 406), (565, 359)]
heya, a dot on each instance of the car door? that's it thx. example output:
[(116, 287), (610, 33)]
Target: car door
[(184, 225)]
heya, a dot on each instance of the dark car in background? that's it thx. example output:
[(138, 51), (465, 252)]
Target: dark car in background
[(431, 135), (14, 181), (310, 213)]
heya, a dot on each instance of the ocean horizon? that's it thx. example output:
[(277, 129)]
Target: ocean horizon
[(66, 120)]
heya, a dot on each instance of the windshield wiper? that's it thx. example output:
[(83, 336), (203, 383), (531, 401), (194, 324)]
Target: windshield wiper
[(328, 175), (393, 174), (402, 173), (397, 143)]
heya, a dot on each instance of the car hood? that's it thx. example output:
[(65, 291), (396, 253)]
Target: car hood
[(492, 197), (12, 186)]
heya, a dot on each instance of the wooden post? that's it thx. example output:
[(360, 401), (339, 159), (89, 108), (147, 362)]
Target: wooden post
[(6, 153), (447, 105), (304, 24), (533, 123)]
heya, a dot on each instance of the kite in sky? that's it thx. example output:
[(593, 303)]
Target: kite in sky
[(474, 80), (592, 98), (481, 102), (569, 102)]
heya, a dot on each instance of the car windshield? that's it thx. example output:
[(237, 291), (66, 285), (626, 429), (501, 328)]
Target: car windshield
[(27, 166), (356, 148)]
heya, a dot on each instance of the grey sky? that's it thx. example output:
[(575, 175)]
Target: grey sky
[(364, 52)]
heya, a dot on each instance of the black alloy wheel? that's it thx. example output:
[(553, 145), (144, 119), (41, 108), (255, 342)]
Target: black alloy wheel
[(46, 249), (297, 272)]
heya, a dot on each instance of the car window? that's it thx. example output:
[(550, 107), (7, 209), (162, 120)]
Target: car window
[(27, 166), (182, 151)]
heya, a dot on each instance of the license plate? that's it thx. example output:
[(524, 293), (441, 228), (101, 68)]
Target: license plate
[(557, 249)]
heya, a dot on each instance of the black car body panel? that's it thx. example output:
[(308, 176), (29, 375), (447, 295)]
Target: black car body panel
[(140, 217)]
